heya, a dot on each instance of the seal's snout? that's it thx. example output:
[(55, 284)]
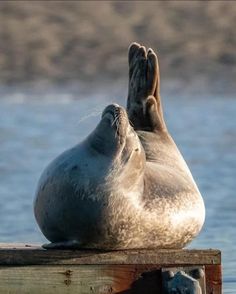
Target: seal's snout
[(118, 120), (113, 109), (116, 114)]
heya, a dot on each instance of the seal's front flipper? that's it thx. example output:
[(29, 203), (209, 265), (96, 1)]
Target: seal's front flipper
[(153, 118), (63, 245)]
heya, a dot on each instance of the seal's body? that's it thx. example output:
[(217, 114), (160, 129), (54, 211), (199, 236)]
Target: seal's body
[(124, 186), (173, 204), (83, 192)]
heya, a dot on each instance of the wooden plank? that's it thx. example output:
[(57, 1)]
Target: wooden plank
[(82, 279), (14, 254), (93, 279), (213, 279)]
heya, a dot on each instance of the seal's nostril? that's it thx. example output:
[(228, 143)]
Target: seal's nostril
[(113, 109), (117, 110), (115, 105)]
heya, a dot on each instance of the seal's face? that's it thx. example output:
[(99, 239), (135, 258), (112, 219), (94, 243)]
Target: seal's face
[(117, 133), (117, 124), (122, 145), (115, 138)]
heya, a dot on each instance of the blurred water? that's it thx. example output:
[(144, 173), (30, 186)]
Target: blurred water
[(34, 131)]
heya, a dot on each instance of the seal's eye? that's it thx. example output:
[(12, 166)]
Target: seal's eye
[(111, 112)]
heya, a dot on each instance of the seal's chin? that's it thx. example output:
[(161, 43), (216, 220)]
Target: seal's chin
[(117, 119)]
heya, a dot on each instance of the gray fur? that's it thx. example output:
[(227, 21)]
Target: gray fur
[(123, 187)]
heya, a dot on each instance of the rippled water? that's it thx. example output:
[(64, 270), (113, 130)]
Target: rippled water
[(34, 131)]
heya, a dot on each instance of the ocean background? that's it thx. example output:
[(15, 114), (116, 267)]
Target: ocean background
[(35, 128)]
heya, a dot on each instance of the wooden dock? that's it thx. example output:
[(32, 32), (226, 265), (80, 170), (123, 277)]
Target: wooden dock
[(31, 269)]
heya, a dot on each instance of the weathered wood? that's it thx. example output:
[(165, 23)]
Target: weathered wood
[(213, 279), (29, 269), (82, 279), (15, 254)]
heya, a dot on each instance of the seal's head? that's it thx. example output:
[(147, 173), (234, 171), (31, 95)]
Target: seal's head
[(115, 138)]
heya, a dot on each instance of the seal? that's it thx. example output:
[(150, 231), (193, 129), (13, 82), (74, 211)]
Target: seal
[(174, 210), (85, 197), (126, 185)]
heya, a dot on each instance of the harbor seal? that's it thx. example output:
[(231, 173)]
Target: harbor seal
[(126, 186), (86, 195)]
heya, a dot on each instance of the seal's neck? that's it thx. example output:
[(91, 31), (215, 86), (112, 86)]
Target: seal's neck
[(104, 142)]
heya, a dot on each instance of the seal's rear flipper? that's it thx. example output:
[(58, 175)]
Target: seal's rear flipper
[(63, 245), (144, 81)]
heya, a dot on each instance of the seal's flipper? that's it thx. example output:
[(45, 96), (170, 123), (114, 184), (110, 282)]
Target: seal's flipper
[(153, 75), (137, 74), (133, 50), (144, 81), (63, 245), (154, 81), (154, 122)]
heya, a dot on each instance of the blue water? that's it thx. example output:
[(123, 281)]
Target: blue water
[(35, 130)]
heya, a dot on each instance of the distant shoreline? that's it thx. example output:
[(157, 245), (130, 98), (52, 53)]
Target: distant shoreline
[(119, 88), (46, 44)]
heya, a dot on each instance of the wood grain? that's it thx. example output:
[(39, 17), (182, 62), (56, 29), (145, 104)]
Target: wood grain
[(20, 254), (82, 279), (213, 279), (29, 269)]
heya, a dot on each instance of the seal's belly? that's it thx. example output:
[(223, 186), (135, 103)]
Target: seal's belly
[(160, 218), (61, 210), (168, 213)]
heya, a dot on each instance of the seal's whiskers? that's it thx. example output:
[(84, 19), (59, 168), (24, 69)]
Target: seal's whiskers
[(130, 122), (115, 120), (96, 112)]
